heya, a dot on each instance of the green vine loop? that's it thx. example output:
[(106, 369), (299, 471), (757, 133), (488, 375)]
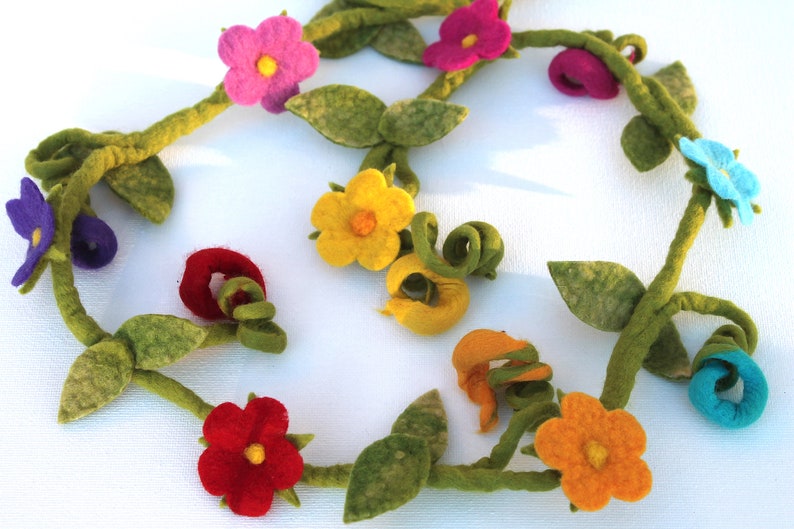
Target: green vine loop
[(671, 121), (474, 248)]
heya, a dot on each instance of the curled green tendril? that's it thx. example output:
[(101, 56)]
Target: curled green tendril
[(474, 248)]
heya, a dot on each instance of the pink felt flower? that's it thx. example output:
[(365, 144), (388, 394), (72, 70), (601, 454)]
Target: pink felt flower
[(469, 34), (577, 72), (267, 63)]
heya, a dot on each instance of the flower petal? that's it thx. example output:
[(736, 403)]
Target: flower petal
[(238, 46), (227, 428), (582, 487), (219, 469), (252, 493), (694, 151), (284, 464), (268, 417), (379, 250), (338, 248), (630, 479), (244, 86)]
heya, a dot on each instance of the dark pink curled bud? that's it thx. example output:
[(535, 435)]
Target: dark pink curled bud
[(577, 72)]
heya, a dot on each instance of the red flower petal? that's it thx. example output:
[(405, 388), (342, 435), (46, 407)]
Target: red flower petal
[(252, 493), (284, 464), (228, 427), (195, 288), (268, 418), (220, 469)]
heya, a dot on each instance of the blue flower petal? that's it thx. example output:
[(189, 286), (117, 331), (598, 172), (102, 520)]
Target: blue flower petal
[(33, 219), (718, 154), (703, 390), (93, 242), (693, 151), (745, 181)]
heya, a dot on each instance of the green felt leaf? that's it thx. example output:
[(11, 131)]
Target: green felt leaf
[(96, 377), (146, 186), (300, 440), (290, 496), (643, 144), (425, 418), (344, 114), (600, 293), (262, 335), (400, 41), (342, 43), (417, 122), (159, 340), (387, 474), (667, 356), (675, 78)]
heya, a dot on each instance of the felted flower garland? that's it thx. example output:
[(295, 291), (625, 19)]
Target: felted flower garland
[(592, 447)]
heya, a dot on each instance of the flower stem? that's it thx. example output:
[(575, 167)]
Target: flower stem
[(637, 337), (459, 477), (172, 390), (644, 93)]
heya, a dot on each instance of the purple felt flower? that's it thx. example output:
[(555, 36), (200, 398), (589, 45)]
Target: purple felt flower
[(578, 72), (729, 179), (469, 34), (93, 242), (267, 63), (33, 219)]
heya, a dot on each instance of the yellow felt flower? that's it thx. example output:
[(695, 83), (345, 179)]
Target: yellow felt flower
[(597, 451), (419, 316), (362, 223)]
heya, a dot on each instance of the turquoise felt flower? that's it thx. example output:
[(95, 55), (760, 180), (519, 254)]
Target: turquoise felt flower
[(727, 178)]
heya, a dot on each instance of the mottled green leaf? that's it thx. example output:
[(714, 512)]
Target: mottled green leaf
[(344, 114), (600, 293), (342, 43), (645, 147), (675, 78), (416, 122), (160, 340), (667, 356), (262, 335), (387, 474), (146, 186), (425, 418), (96, 377), (401, 41)]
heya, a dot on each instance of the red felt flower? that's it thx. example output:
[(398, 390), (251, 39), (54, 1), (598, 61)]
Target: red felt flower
[(249, 456), (195, 288)]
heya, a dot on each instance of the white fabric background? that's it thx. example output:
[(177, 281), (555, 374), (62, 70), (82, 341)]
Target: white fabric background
[(546, 169)]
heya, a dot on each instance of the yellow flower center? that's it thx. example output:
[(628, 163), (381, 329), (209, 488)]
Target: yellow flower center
[(35, 238), (267, 66), (596, 454), (255, 453), (469, 41), (363, 222)]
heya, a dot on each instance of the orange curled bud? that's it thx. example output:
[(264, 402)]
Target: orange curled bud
[(472, 359)]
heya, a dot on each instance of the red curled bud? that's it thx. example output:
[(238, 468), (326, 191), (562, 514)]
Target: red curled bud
[(578, 72), (195, 289)]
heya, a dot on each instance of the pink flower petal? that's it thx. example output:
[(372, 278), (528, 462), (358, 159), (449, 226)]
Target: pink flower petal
[(238, 47)]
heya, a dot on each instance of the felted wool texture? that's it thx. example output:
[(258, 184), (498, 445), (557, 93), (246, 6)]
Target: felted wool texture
[(704, 384), (577, 72), (195, 290), (420, 317)]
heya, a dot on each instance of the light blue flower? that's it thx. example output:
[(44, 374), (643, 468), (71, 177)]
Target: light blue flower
[(729, 179)]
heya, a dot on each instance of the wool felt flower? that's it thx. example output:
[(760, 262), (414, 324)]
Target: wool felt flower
[(362, 223), (472, 359), (729, 179), (93, 242), (469, 34), (249, 456), (195, 289), (707, 382), (33, 219), (597, 451), (577, 72), (266, 63)]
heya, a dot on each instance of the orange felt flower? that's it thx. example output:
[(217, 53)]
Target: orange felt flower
[(472, 360), (597, 451)]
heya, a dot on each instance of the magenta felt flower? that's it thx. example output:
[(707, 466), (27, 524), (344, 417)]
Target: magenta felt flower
[(469, 34), (267, 63)]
